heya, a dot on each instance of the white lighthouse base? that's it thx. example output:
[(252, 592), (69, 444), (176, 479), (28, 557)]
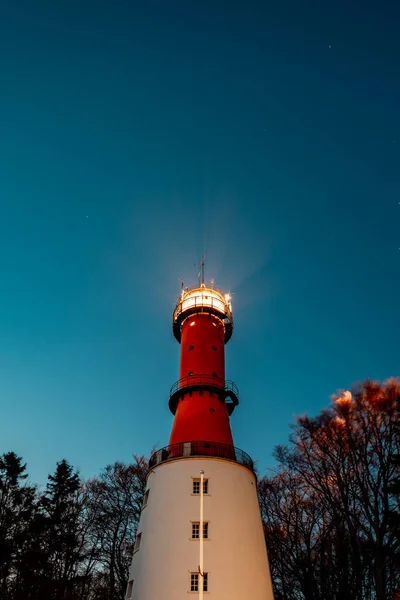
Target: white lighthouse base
[(235, 556)]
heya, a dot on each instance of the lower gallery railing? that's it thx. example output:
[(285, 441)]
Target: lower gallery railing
[(201, 448)]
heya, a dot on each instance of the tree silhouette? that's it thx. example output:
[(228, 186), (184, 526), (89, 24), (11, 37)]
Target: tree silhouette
[(332, 499), (394, 490), (62, 511), (17, 508), (330, 512), (116, 502)]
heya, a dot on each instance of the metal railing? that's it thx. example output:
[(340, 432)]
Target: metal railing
[(200, 448), (199, 300), (202, 298), (207, 381), (226, 390)]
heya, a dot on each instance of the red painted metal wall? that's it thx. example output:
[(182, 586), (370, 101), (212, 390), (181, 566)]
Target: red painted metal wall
[(202, 415), (202, 346)]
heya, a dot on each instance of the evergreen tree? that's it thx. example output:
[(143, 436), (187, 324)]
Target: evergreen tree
[(62, 510), (74, 541), (17, 509), (331, 514)]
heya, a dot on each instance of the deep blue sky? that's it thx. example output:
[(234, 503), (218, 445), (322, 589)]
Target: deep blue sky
[(136, 135)]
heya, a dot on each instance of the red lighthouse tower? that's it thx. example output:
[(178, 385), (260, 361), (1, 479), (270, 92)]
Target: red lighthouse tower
[(200, 530), (202, 400)]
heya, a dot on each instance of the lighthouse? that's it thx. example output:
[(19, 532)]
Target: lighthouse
[(200, 532)]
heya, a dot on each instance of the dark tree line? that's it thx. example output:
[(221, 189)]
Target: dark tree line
[(330, 512), (74, 540)]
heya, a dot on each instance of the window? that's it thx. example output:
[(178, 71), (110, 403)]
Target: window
[(191, 347), (194, 582), (214, 374), (196, 531), (138, 541), (129, 590), (196, 486), (205, 531), (190, 373), (146, 498), (214, 348)]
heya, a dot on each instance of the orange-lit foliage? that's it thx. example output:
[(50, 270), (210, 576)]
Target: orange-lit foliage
[(332, 496)]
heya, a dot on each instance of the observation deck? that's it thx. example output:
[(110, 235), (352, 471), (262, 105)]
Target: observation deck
[(203, 300), (206, 449), (226, 390)]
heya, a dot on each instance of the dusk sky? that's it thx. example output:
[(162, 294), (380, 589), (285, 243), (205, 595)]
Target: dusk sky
[(134, 137)]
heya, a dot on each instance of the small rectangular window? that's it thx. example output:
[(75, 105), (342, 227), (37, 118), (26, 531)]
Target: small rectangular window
[(129, 590), (138, 542), (196, 531), (205, 582), (146, 498), (196, 486), (195, 581)]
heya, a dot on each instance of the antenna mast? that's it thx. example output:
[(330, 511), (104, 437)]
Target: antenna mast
[(201, 272)]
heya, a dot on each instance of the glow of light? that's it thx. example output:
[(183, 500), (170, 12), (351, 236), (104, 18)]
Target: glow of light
[(199, 298), (192, 323)]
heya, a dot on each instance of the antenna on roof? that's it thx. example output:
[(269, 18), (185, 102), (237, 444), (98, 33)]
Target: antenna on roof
[(201, 272), (182, 284)]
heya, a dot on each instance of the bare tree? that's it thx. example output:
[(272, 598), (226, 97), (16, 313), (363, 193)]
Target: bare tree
[(116, 499), (332, 498)]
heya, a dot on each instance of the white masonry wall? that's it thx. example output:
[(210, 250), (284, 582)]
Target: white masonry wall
[(235, 556)]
